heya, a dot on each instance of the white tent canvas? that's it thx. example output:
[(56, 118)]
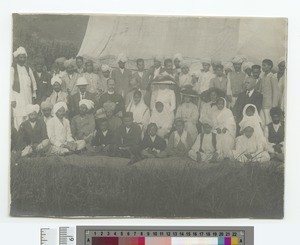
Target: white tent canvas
[(194, 37)]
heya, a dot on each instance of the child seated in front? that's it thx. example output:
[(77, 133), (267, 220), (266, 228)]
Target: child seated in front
[(205, 146), (152, 144)]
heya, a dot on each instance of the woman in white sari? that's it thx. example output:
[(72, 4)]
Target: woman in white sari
[(140, 111), (225, 128), (59, 132)]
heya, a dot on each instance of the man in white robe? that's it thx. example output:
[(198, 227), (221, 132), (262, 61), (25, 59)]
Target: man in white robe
[(23, 86)]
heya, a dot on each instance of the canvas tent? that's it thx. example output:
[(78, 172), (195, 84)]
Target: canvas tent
[(194, 37)]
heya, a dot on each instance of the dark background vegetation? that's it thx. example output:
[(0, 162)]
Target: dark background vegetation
[(49, 36)]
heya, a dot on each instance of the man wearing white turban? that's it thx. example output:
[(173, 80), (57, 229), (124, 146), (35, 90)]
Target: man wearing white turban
[(204, 76), (281, 76), (122, 76), (157, 68), (83, 124), (236, 80), (104, 76), (23, 86), (57, 95), (59, 132), (33, 133), (95, 85), (177, 59), (60, 67), (70, 78)]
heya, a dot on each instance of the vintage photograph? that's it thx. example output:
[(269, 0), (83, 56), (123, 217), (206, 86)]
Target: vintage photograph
[(147, 116)]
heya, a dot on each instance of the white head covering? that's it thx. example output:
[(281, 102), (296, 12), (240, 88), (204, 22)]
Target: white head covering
[(227, 65), (55, 79), (247, 65), (225, 102), (169, 82), (109, 106), (81, 81), (245, 116), (208, 121), (59, 105), (238, 59), (105, 68), (89, 104), (32, 108), (122, 57), (178, 56), (20, 50), (206, 60), (280, 60), (248, 123), (45, 105), (70, 62)]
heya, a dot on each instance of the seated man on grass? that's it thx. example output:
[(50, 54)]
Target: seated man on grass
[(205, 146), (33, 133), (127, 139)]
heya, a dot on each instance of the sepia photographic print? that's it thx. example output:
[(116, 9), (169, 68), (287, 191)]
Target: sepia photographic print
[(148, 116)]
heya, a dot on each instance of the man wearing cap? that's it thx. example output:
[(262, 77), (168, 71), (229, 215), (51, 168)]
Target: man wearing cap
[(122, 75), (236, 80), (184, 78), (57, 95), (60, 67), (177, 60), (114, 122), (43, 81), (70, 78), (23, 86), (82, 93), (33, 132), (112, 96), (104, 76), (95, 86)]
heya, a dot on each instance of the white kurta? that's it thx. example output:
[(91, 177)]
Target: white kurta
[(185, 79), (141, 114), (250, 146), (225, 141), (95, 85), (190, 114), (164, 122), (166, 96), (207, 111), (208, 149), (204, 81), (27, 91)]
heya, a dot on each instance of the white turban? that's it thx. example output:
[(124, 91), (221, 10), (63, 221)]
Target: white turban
[(59, 105), (20, 50), (109, 106), (32, 108), (227, 65), (89, 104), (56, 79), (280, 60), (238, 59), (207, 121), (178, 56), (60, 60), (46, 104), (206, 60), (70, 62), (159, 58), (105, 68), (122, 57), (81, 81), (247, 65)]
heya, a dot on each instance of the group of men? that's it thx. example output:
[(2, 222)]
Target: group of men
[(162, 111)]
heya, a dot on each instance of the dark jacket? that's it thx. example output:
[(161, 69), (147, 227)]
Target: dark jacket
[(74, 102), (100, 139), (44, 87), (29, 135), (159, 143), (131, 139), (243, 99)]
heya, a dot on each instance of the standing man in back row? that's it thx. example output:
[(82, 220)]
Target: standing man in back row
[(236, 80), (122, 76), (23, 86)]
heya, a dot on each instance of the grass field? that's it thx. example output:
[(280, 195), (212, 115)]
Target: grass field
[(173, 187)]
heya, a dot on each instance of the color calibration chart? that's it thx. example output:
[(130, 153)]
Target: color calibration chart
[(93, 235)]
